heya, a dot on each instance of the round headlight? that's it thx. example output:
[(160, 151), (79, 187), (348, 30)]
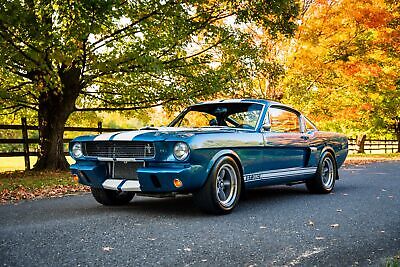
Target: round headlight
[(77, 150), (181, 151)]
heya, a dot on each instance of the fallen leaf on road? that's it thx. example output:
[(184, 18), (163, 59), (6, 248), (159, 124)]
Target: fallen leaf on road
[(335, 225)]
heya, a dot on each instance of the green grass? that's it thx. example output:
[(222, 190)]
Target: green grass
[(18, 163), (393, 262)]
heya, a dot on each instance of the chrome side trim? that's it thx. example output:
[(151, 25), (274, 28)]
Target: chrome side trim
[(121, 159)]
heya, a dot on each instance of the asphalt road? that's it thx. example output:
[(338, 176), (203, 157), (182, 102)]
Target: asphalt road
[(358, 224)]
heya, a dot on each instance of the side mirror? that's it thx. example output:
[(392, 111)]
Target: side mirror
[(266, 127)]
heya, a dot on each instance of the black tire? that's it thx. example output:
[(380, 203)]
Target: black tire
[(324, 180), (111, 197), (221, 192)]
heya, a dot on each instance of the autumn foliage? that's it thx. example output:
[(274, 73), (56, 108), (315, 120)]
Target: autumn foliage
[(343, 65)]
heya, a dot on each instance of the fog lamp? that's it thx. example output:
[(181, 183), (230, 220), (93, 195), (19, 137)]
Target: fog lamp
[(75, 178), (177, 183)]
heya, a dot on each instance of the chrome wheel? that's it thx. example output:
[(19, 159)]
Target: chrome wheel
[(226, 185), (327, 173)]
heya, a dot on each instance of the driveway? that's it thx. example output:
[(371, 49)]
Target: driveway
[(358, 224)]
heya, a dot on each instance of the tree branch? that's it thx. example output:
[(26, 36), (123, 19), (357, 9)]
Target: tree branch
[(11, 89), (25, 55), (6, 29), (21, 106), (117, 32), (11, 112), (23, 75), (125, 108), (198, 53)]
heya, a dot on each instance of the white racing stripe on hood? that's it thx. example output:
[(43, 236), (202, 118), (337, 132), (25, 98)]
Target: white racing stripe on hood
[(104, 137), (128, 136)]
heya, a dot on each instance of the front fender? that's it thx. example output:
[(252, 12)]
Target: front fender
[(225, 152)]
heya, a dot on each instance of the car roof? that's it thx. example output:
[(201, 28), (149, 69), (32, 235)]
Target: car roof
[(246, 100)]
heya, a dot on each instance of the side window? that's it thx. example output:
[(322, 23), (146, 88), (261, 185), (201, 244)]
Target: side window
[(284, 121), (309, 125)]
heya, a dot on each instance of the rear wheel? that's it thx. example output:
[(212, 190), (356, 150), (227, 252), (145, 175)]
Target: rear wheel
[(221, 192), (111, 197), (324, 180)]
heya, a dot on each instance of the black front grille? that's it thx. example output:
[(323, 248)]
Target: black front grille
[(120, 149)]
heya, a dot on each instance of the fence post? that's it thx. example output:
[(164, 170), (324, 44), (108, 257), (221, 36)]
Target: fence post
[(100, 127), (385, 144), (26, 143)]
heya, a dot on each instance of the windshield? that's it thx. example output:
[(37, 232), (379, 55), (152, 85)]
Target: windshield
[(234, 115)]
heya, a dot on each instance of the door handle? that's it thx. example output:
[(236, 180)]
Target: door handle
[(304, 137)]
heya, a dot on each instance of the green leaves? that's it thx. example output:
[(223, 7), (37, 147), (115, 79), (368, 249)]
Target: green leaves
[(133, 54)]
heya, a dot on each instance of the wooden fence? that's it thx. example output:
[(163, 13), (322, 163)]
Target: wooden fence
[(26, 141), (371, 146), (375, 146)]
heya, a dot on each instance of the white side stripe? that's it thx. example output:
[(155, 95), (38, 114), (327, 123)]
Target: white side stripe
[(278, 173)]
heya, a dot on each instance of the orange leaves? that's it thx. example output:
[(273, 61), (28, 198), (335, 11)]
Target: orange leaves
[(367, 106), (372, 17), (361, 68), (348, 51)]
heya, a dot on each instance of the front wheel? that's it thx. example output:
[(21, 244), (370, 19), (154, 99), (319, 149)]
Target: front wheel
[(324, 180), (111, 197), (221, 192)]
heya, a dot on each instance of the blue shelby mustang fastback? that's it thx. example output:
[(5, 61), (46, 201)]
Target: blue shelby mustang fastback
[(214, 150)]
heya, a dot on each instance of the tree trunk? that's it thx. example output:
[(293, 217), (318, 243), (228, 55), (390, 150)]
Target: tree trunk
[(52, 119), (398, 142), (360, 141), (55, 106)]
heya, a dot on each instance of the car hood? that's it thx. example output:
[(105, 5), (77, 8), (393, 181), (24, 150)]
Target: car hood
[(160, 134)]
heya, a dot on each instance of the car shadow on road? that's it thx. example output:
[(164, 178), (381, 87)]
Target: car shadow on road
[(184, 205)]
